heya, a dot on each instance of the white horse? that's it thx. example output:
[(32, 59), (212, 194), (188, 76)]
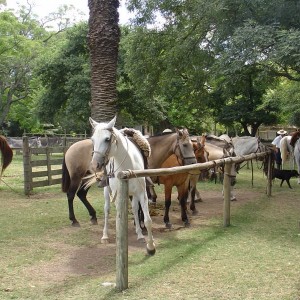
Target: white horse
[(297, 157), (115, 152), (287, 150)]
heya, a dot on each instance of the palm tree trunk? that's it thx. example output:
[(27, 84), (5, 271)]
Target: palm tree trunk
[(103, 41)]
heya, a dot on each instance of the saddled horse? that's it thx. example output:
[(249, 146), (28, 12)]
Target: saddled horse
[(76, 165), (184, 182), (6, 154), (244, 145), (222, 141), (113, 152)]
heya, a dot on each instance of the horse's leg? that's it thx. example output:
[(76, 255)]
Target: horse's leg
[(148, 224), (182, 195), (135, 211), (198, 196), (104, 238), (298, 163), (71, 196), (232, 184), (168, 193), (82, 192), (192, 192), (152, 196)]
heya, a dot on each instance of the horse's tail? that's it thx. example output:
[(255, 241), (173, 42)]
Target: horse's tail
[(66, 180), (284, 149), (7, 154)]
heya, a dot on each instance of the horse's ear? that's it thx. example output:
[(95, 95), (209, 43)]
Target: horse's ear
[(112, 123), (179, 132), (92, 122), (203, 139)]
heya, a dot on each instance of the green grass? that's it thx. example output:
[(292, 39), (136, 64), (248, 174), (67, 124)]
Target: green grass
[(257, 257)]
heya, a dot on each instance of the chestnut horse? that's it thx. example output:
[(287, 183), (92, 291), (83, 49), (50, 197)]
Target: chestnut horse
[(184, 182), (6, 154)]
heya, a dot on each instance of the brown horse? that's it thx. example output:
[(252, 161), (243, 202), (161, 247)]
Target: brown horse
[(76, 165), (6, 154), (184, 182)]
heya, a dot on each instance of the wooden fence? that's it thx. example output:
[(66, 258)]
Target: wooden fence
[(122, 202), (43, 166)]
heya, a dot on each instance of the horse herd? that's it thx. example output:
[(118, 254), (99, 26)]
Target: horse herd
[(110, 151)]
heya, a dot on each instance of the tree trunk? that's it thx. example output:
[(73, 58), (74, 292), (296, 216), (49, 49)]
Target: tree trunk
[(103, 41)]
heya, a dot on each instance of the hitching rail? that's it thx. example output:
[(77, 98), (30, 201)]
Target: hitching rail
[(122, 202)]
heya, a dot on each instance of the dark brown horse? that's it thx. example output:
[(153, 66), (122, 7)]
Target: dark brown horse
[(76, 164), (6, 154)]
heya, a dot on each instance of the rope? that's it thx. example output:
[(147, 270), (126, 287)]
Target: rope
[(15, 191)]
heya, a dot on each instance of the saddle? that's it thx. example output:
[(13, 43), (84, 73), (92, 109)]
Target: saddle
[(142, 144)]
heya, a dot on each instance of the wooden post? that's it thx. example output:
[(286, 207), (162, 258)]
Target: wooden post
[(27, 166), (227, 193), (269, 177), (48, 158), (122, 236)]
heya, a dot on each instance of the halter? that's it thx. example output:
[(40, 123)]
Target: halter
[(179, 146), (106, 154)]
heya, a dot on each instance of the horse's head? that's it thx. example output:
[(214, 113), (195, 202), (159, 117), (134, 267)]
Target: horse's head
[(201, 153), (184, 147), (103, 139)]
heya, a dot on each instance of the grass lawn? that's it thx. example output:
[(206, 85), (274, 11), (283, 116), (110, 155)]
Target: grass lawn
[(257, 257)]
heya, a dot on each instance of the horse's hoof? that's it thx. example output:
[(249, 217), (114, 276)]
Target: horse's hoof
[(233, 199), (187, 224), (105, 241), (151, 252), (75, 224), (141, 238), (168, 225), (195, 212), (198, 200), (94, 221)]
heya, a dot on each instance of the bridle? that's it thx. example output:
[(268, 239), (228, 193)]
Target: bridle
[(113, 139), (180, 148)]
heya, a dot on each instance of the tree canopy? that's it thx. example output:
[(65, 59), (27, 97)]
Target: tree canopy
[(189, 63)]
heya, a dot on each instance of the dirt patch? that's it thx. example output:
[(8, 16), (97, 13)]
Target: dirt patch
[(99, 259)]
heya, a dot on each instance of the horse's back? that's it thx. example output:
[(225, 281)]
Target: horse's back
[(78, 158), (214, 152), (244, 145)]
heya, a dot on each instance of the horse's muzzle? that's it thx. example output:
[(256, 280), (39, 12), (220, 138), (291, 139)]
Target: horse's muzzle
[(189, 161)]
